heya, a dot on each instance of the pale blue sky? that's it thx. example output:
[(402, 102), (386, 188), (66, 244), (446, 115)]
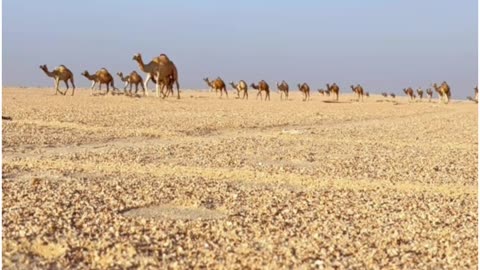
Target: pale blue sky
[(383, 45)]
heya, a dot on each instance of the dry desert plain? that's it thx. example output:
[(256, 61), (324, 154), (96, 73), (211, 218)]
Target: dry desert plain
[(101, 182)]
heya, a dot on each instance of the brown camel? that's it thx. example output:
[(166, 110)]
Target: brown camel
[(160, 70), (420, 93), (409, 92), (334, 89), (219, 85), (102, 77), (429, 94), (283, 89), (133, 79), (385, 94), (327, 92), (392, 95), (443, 91), (241, 86), (321, 91), (305, 89), (262, 87), (358, 90), (60, 73), (367, 94)]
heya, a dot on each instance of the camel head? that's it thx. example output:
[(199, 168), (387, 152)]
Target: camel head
[(120, 74), (353, 88), (328, 86), (137, 57), (254, 86), (86, 74), (299, 86), (206, 80), (43, 67)]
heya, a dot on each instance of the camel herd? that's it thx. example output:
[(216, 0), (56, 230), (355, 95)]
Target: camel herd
[(163, 72)]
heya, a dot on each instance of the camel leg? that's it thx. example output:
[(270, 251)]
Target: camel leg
[(93, 86), (163, 87), (157, 86), (145, 88), (136, 89), (73, 86), (56, 86)]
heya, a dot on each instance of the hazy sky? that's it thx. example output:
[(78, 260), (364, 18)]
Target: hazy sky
[(383, 45)]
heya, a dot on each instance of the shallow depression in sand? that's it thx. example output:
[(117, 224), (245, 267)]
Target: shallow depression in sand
[(169, 211)]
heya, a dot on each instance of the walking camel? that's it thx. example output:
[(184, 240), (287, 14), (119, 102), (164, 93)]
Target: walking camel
[(161, 70), (61, 73), (283, 89), (218, 85), (334, 89), (420, 93), (241, 86), (101, 77), (429, 94), (305, 89), (262, 86), (133, 79), (210, 84), (409, 93), (358, 90), (443, 91)]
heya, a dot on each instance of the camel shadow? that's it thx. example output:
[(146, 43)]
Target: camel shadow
[(336, 102)]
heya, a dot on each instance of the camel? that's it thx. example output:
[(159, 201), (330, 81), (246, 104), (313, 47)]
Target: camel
[(367, 94), (334, 89), (219, 84), (327, 92), (476, 93), (241, 86), (102, 77), (305, 89), (392, 95), (420, 93), (210, 84), (429, 94), (409, 92), (262, 87), (358, 90), (283, 89), (384, 94), (160, 70), (321, 91), (443, 91), (61, 73), (133, 79)]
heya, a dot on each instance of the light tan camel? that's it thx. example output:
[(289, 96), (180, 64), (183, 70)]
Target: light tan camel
[(241, 86), (420, 93), (160, 70), (101, 77), (443, 91), (133, 79), (305, 89), (61, 73)]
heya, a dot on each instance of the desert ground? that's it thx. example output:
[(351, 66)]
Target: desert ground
[(101, 182)]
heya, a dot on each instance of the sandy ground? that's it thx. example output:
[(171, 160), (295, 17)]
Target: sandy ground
[(103, 182)]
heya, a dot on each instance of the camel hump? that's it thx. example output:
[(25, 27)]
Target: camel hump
[(61, 68)]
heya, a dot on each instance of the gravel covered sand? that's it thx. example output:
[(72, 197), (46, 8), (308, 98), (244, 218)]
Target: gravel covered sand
[(118, 182)]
